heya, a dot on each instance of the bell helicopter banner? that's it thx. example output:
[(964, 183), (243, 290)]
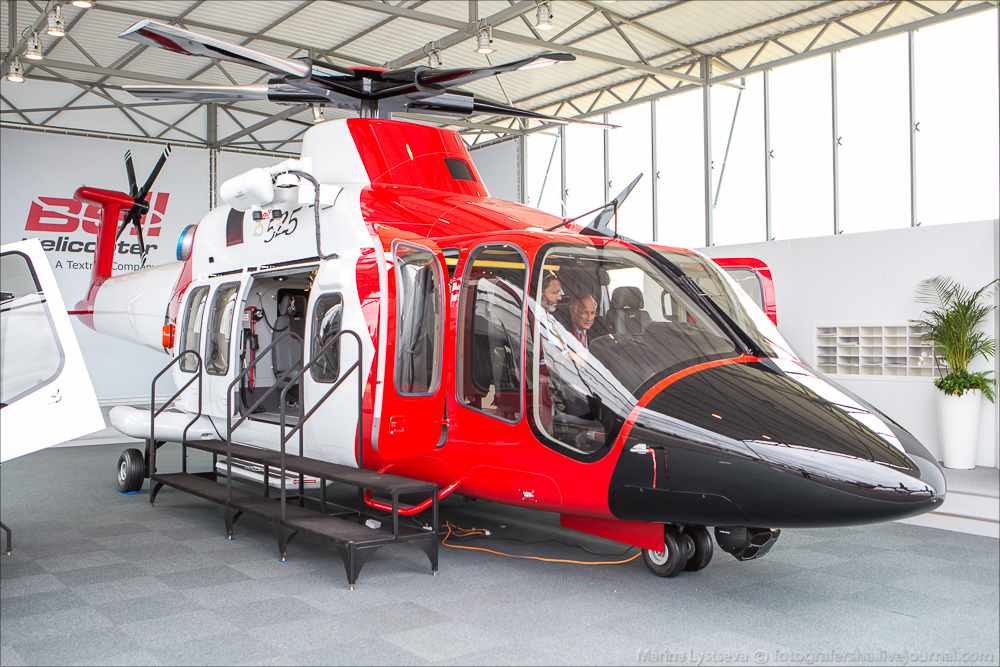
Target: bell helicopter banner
[(40, 174)]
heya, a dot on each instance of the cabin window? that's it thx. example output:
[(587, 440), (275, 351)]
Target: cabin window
[(326, 324), (29, 345), (418, 321), (489, 348), (220, 327), (191, 329)]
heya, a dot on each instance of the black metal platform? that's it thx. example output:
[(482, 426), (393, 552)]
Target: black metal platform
[(347, 528), (354, 540)]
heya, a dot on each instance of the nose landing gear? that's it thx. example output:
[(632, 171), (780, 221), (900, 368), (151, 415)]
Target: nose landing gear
[(684, 548)]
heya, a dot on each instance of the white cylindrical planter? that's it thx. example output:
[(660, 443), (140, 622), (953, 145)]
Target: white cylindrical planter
[(958, 426)]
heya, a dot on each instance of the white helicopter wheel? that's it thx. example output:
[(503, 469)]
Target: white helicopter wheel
[(130, 471), (671, 560), (703, 548)]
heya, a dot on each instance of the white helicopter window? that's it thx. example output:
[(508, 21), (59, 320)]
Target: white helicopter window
[(327, 318), (489, 349), (220, 327), (418, 321), (30, 354), (191, 330)]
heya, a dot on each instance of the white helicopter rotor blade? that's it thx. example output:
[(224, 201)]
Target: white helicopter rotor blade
[(200, 93), (189, 43)]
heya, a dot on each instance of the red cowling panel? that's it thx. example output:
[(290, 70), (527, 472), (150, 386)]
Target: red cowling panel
[(111, 203), (397, 153), (637, 533)]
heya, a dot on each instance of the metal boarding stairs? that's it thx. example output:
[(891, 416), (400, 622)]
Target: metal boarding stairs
[(347, 528)]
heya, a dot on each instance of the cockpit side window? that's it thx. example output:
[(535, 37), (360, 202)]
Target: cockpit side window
[(588, 370), (491, 321), (220, 328), (418, 321), (191, 329)]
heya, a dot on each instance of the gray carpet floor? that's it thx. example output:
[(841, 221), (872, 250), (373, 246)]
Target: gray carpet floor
[(97, 577)]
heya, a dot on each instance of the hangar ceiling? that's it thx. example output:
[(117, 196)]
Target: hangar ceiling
[(627, 52)]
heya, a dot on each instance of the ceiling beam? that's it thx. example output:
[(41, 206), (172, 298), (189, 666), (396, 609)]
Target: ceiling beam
[(282, 115), (856, 41), (463, 31)]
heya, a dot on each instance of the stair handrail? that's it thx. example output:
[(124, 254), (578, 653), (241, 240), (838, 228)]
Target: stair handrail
[(154, 412), (230, 427), (298, 428)]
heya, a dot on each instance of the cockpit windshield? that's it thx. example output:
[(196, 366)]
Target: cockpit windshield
[(734, 301), (607, 325)]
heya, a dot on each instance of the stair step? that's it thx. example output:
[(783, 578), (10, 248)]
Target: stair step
[(336, 529), (361, 478), (255, 454)]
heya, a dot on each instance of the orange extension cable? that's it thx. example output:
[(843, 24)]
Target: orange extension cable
[(466, 532)]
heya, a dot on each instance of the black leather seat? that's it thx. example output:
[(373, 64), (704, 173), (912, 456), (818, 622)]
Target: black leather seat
[(626, 315), (287, 354)]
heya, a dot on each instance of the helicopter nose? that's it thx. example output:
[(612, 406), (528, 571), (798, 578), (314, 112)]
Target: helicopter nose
[(812, 454)]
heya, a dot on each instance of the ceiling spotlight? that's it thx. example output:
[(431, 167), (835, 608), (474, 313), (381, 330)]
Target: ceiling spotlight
[(484, 40), (318, 116), (83, 4), (543, 18), (57, 27), (34, 48), (16, 72), (434, 59)]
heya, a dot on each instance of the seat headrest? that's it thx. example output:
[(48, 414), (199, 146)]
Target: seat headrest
[(627, 297), (290, 305)]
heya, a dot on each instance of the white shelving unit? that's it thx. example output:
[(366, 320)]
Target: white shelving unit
[(872, 350)]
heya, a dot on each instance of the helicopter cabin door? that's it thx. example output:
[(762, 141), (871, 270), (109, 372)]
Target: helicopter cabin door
[(413, 420)]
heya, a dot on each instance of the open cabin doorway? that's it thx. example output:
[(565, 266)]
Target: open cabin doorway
[(276, 304)]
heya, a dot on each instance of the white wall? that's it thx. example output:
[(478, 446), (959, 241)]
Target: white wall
[(35, 165), (871, 277), (498, 165)]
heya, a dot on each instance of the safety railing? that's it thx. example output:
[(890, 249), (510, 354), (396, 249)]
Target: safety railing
[(154, 412), (283, 384), (246, 411)]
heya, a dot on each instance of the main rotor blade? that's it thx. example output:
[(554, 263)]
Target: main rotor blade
[(153, 174), (133, 188), (178, 40), (483, 106), (199, 93), (464, 75)]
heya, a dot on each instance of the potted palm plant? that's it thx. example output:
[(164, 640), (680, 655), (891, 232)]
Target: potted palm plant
[(952, 322)]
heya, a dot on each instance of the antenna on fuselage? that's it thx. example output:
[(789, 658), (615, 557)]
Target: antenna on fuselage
[(607, 212)]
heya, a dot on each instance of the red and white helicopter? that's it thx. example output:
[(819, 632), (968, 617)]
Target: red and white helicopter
[(681, 407)]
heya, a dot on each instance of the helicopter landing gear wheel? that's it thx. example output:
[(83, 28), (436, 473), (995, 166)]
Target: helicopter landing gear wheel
[(669, 562), (130, 471), (703, 548)]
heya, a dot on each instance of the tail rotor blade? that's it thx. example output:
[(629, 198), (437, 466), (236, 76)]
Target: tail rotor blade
[(124, 225), (153, 174), (133, 188), (138, 228)]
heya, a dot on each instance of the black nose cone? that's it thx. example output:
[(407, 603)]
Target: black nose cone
[(825, 457)]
